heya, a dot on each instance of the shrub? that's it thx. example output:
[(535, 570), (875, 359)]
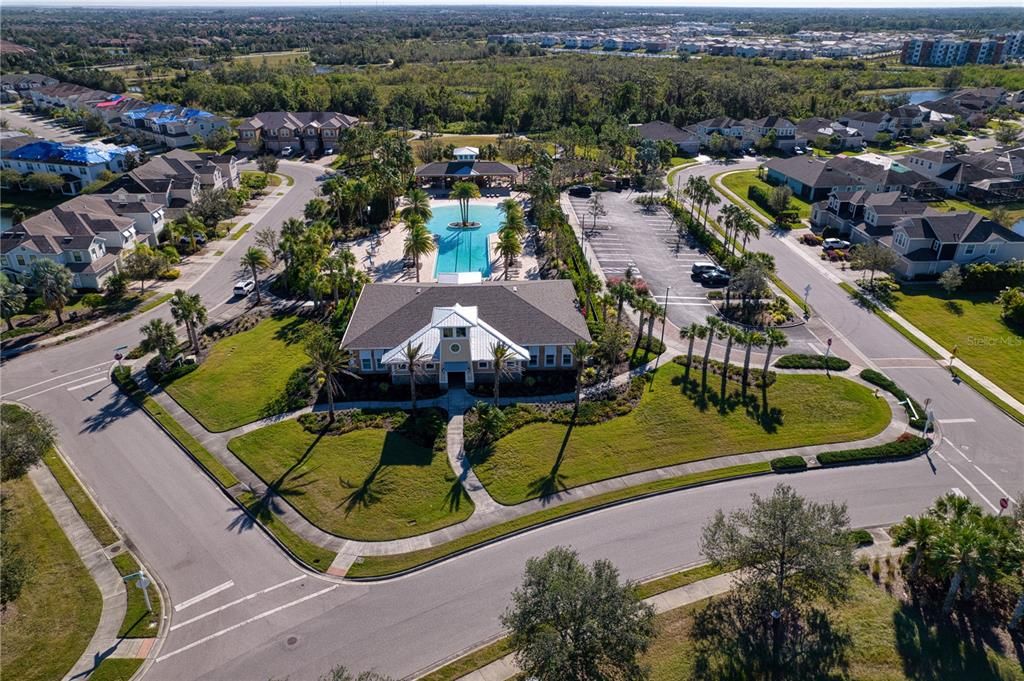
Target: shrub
[(812, 362), (992, 276), (811, 240), (860, 538), (169, 275), (885, 383), (788, 463), (903, 447), (735, 371)]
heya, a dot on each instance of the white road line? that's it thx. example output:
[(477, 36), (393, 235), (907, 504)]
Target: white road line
[(956, 449), (944, 421), (241, 624), (814, 347), (203, 596), (976, 490), (996, 484), (102, 379), (52, 387), (64, 375), (690, 304), (959, 492), (237, 601)]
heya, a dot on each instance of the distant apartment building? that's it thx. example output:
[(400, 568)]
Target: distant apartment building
[(955, 51), (310, 132), (171, 125), (16, 85)]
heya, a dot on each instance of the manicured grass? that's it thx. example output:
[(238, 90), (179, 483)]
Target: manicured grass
[(150, 304), (138, 622), (740, 182), (244, 375), (972, 323), (273, 58), (315, 556), (1015, 208), (667, 428), (49, 625), (79, 499), (116, 669), (676, 164), (273, 180), (481, 657), (889, 641), (676, 580), (376, 566), (182, 436), (241, 231), (368, 484)]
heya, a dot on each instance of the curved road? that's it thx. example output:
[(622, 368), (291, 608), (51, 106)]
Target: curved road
[(240, 609)]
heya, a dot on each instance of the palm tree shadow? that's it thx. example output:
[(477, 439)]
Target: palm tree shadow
[(554, 482), (371, 490), (455, 495), (117, 408)]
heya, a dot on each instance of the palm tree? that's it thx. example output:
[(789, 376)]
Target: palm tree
[(692, 191), (919, 533), (654, 312), (581, 351), (509, 247), (464, 192), (711, 198), (316, 209), (622, 292), (52, 281), (962, 553), (752, 339), (514, 220), (692, 332), (775, 339), (748, 227), (606, 301), (328, 359), (413, 355), (256, 260), (639, 304), (729, 334), (500, 355), (188, 309), (591, 284), (358, 193), (419, 205), (12, 299), (159, 335), (714, 327), (418, 242)]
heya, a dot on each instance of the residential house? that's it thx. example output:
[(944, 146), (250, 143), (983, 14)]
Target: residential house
[(929, 244), (813, 179), (457, 327), (729, 128), (311, 132), (864, 216), (87, 234), (78, 164), (175, 179), (65, 96), (973, 105), (781, 129), (871, 124), (685, 139), (171, 125), (989, 177), (16, 85), (841, 137)]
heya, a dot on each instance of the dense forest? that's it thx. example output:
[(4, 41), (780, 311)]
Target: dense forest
[(533, 95)]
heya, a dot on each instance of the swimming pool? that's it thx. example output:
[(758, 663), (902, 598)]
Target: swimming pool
[(464, 250)]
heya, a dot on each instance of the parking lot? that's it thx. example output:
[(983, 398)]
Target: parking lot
[(629, 235)]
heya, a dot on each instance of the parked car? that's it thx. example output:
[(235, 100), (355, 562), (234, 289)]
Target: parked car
[(715, 277), (699, 268), (832, 243), (198, 236), (287, 151), (244, 288), (581, 191)]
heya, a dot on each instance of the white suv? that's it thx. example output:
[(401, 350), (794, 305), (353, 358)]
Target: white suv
[(244, 288), (829, 244)]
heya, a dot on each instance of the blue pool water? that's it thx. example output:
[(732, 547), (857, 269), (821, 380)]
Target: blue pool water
[(464, 250)]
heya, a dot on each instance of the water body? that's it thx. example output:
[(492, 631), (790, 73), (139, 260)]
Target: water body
[(464, 250), (918, 96)]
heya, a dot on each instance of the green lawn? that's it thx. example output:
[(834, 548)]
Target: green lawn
[(138, 622), (1015, 208), (368, 484), (116, 669), (667, 427), (972, 323), (79, 499), (244, 376), (48, 627), (311, 554), (740, 182), (889, 641)]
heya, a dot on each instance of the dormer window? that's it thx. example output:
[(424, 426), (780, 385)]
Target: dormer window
[(454, 332), (968, 249)]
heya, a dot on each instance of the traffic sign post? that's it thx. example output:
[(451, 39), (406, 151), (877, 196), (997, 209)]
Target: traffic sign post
[(828, 349), (119, 353), (1004, 503), (142, 582), (807, 307)]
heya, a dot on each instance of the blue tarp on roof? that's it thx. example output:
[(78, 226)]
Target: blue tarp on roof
[(79, 154)]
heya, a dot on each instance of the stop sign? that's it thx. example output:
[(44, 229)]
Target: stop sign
[(1004, 502)]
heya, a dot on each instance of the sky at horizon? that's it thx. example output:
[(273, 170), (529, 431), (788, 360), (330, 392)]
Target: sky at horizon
[(652, 4)]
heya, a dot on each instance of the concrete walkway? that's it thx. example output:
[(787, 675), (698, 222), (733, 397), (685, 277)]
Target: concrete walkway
[(487, 511), (105, 641)]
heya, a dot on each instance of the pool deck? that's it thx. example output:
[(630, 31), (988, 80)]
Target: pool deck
[(385, 265)]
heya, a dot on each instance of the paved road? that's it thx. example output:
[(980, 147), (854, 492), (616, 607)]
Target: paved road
[(40, 126), (241, 610)]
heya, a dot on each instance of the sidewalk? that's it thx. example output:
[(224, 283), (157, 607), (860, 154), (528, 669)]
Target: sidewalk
[(487, 512), (105, 641)]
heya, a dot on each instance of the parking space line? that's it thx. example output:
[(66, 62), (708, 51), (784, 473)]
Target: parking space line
[(994, 483)]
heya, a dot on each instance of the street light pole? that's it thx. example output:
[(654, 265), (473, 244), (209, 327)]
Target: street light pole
[(664, 323)]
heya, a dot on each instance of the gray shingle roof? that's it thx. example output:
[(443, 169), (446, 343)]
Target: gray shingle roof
[(528, 312)]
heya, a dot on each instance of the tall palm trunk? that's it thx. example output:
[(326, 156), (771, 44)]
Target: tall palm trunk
[(256, 285), (650, 331), (746, 368), (497, 387), (725, 369), (412, 385), (689, 356), (954, 586), (579, 382), (330, 401), (767, 361), (704, 366), (639, 337), (416, 264)]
